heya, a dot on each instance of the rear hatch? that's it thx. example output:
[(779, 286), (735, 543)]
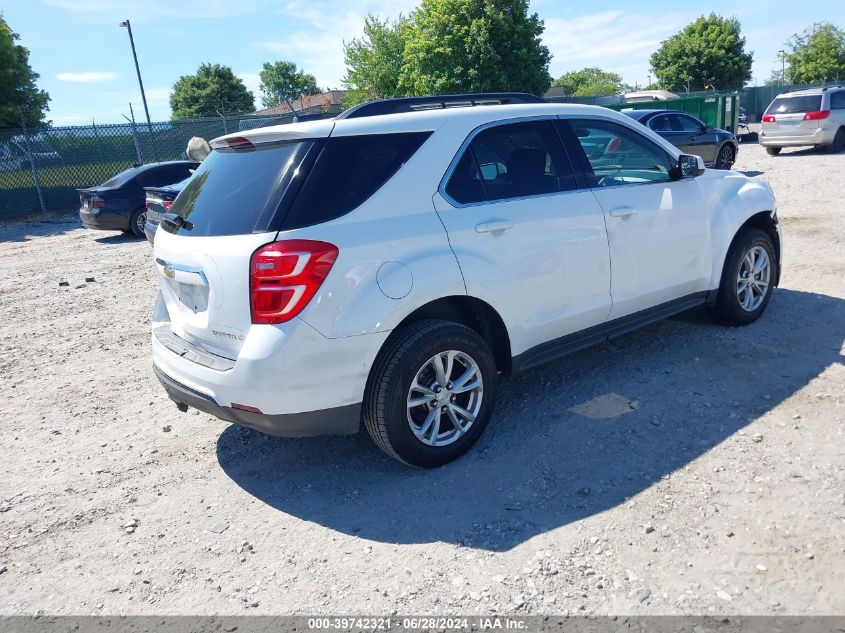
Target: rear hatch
[(788, 116), (231, 206)]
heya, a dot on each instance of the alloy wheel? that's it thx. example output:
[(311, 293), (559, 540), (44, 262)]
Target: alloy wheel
[(753, 279), (444, 398)]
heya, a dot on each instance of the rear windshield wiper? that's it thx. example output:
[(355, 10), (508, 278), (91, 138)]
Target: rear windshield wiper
[(177, 221)]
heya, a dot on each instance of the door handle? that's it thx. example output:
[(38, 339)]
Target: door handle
[(493, 226), (622, 212)]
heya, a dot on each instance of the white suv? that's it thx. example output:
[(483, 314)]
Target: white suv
[(390, 264), (812, 117)]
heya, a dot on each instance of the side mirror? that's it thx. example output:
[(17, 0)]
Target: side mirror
[(708, 128), (690, 166)]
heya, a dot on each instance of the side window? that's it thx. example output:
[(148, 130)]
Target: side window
[(162, 176), (688, 124), (619, 155), (465, 185), (661, 123), (837, 100), (516, 160), (349, 170)]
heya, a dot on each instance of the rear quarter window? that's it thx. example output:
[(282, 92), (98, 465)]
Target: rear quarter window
[(347, 172)]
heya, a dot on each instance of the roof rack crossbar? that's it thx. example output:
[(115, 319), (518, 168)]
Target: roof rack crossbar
[(436, 102)]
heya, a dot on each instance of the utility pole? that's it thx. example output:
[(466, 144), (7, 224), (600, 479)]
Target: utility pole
[(782, 68), (128, 27)]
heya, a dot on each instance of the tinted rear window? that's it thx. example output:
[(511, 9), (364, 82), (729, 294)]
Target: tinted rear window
[(122, 178), (348, 171), (788, 105), (237, 192)]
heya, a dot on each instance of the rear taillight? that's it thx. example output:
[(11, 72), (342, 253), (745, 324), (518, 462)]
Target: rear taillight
[(768, 118), (167, 204), (817, 116), (285, 276)]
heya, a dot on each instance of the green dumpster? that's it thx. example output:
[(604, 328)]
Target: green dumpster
[(718, 110)]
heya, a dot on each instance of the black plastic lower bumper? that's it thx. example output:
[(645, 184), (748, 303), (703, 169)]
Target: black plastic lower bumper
[(344, 420)]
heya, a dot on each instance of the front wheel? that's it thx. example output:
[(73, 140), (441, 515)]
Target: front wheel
[(725, 158), (773, 151), (431, 393), (747, 278)]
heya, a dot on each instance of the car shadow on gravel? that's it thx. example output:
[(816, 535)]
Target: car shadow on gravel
[(690, 383), (25, 229)]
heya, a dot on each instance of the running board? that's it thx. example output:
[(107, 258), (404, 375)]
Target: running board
[(552, 350)]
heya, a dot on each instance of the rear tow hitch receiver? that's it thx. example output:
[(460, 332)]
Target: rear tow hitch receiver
[(182, 407)]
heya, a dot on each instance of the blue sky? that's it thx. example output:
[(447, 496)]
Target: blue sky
[(86, 64)]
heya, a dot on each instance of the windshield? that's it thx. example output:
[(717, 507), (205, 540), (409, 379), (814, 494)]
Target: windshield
[(234, 192), (789, 105)]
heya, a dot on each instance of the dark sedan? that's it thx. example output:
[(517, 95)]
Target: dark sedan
[(717, 147), (119, 203), (159, 200)]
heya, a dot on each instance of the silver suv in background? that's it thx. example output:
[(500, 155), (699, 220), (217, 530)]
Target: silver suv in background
[(813, 117)]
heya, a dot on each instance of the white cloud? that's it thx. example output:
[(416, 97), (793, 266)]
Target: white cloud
[(88, 77), (252, 82), (611, 39), (145, 10), (317, 47)]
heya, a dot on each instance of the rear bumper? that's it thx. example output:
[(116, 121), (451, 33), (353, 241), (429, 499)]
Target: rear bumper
[(343, 420), (104, 220), (820, 136), (150, 229), (303, 382)]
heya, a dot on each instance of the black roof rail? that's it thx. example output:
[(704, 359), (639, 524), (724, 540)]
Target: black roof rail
[(436, 102), (826, 88)]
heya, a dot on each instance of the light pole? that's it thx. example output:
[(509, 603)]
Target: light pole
[(782, 67), (128, 27)]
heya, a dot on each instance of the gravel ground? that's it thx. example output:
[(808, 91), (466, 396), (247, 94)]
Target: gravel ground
[(712, 482)]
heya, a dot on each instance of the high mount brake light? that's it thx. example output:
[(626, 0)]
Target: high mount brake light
[(284, 276), (239, 142)]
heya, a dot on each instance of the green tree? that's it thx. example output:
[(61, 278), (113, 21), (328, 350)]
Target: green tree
[(818, 54), (214, 88), (458, 46), (374, 61), (709, 52), (283, 81), (17, 83), (591, 82)]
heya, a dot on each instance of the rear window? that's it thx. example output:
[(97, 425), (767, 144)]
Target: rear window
[(235, 192), (788, 105), (348, 171), (122, 178)]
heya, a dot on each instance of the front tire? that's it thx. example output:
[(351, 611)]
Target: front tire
[(747, 278), (725, 159), (773, 151), (137, 222), (431, 393)]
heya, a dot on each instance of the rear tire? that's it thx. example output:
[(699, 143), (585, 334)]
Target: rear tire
[(413, 412), (725, 158), (744, 293), (137, 222), (773, 151), (838, 141)]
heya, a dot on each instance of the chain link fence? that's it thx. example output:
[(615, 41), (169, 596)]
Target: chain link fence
[(41, 169)]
